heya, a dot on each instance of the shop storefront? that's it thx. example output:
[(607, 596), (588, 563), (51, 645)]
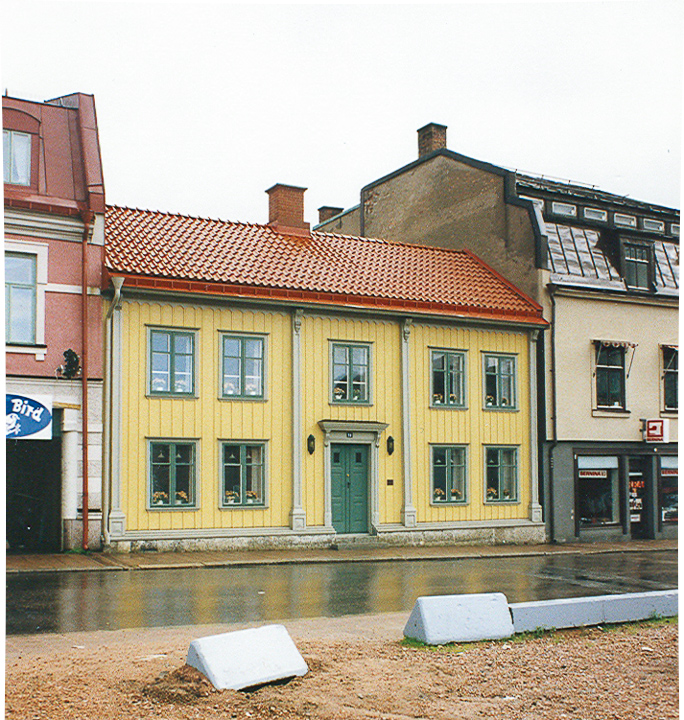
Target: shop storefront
[(630, 494)]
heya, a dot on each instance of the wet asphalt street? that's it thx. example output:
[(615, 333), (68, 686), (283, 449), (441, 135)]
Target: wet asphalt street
[(86, 601)]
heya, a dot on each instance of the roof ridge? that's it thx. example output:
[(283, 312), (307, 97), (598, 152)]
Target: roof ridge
[(187, 216), (267, 226)]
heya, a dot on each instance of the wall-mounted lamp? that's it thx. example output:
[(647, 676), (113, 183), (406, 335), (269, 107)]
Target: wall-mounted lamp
[(311, 444), (390, 445)]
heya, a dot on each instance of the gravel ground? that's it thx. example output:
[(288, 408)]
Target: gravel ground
[(358, 669)]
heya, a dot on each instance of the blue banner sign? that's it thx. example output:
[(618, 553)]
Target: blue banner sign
[(28, 418)]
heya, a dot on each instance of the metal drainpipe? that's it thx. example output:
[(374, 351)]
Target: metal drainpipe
[(87, 220), (117, 282), (554, 423)]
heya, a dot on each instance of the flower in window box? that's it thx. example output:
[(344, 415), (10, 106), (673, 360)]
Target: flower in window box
[(452, 398), (492, 494), (439, 494), (455, 494), (251, 496), (160, 498), (437, 399), (232, 497), (357, 394), (507, 494), (182, 497), (489, 400), (338, 392)]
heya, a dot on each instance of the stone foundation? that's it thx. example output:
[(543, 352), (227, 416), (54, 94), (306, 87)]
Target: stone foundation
[(395, 536)]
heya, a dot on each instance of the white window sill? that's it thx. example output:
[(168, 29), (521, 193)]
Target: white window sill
[(38, 350), (611, 413)]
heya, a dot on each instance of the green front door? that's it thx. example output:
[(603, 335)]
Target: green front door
[(349, 491)]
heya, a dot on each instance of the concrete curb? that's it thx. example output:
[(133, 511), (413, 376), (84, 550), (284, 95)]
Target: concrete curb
[(595, 610)]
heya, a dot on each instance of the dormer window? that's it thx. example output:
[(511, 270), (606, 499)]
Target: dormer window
[(625, 220), (16, 153), (595, 214), (638, 266), (654, 225), (565, 209)]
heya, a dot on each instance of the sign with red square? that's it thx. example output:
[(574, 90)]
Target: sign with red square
[(656, 430)]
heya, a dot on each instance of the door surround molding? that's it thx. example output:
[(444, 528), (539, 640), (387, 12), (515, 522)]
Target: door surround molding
[(363, 433)]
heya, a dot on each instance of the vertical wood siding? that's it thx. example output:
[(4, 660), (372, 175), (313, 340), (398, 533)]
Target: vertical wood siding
[(473, 427), (206, 418), (385, 407)]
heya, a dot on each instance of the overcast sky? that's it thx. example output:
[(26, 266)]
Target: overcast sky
[(203, 107)]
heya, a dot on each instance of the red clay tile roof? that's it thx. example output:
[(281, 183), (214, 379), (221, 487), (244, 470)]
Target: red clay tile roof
[(181, 253)]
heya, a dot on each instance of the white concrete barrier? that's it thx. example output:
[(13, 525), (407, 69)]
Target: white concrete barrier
[(245, 658), (576, 612), (442, 619)]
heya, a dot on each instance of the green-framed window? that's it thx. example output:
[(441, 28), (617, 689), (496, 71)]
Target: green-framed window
[(610, 376), (448, 379), (242, 362), (501, 468), (16, 154), (671, 377), (449, 474), (20, 298), (172, 362), (350, 373), (172, 474), (500, 381), (243, 469)]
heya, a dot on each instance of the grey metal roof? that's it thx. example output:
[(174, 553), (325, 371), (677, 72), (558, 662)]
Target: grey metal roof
[(577, 258)]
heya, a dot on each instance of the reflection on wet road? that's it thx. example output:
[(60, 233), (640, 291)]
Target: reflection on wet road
[(82, 601)]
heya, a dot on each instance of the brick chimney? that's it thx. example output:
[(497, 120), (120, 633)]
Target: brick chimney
[(286, 209), (327, 211), (430, 138)]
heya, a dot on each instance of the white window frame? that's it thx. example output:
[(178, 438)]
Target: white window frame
[(625, 220), (40, 250), (597, 214), (9, 157), (564, 209)]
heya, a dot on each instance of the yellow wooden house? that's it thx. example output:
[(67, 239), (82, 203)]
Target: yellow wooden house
[(269, 386)]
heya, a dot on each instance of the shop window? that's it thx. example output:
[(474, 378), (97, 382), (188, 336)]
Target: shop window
[(501, 474), (499, 381), (172, 474), (350, 373), (172, 362), (448, 379), (638, 262), (669, 489), (243, 467), (243, 367), (610, 375), (449, 475), (598, 491), (16, 153), (671, 377), (20, 298)]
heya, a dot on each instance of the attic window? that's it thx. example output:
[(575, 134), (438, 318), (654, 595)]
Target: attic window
[(595, 214), (638, 260), (626, 220), (674, 229), (16, 152), (559, 208), (538, 202), (653, 225)]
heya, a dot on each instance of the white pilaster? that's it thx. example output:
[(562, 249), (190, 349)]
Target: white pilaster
[(297, 514), (408, 513)]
